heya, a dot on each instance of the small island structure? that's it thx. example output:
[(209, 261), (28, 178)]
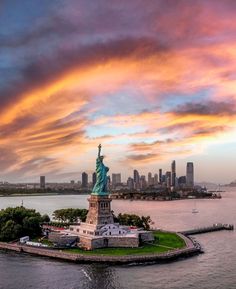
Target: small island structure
[(99, 229)]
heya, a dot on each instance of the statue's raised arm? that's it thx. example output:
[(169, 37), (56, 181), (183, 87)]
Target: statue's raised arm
[(99, 150)]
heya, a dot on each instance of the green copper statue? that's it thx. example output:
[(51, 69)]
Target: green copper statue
[(100, 188)]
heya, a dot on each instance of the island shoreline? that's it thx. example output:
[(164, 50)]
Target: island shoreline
[(189, 250)]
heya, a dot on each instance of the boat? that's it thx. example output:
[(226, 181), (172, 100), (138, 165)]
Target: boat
[(194, 210)]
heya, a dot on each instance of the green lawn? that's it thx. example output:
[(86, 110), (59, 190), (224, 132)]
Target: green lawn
[(166, 240), (169, 239)]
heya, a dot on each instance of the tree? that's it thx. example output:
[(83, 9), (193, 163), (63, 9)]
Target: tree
[(31, 226), (10, 231), (45, 219), (18, 222), (70, 215), (134, 220), (146, 222)]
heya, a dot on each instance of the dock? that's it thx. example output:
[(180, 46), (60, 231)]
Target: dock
[(213, 228)]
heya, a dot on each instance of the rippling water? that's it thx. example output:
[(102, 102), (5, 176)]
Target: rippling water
[(212, 270)]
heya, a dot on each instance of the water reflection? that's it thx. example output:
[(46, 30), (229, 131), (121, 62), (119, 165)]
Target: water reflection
[(23, 271), (101, 276)]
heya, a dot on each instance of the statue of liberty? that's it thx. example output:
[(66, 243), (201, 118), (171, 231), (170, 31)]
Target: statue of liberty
[(100, 187)]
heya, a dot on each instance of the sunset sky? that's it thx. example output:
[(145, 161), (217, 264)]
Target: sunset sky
[(152, 81)]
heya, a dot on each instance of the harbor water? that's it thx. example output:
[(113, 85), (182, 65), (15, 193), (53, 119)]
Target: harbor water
[(215, 269)]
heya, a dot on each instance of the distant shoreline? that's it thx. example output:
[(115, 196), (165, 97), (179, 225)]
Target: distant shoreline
[(42, 195), (114, 199), (163, 199)]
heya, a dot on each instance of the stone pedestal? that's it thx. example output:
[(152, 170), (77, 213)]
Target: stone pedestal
[(99, 210)]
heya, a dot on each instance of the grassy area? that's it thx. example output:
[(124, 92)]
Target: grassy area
[(169, 239), (163, 242)]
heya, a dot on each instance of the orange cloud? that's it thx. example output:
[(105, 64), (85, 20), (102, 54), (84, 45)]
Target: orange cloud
[(54, 117)]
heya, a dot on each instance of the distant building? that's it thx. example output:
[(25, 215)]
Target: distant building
[(182, 181), (168, 179), (173, 173), (163, 179), (176, 182), (94, 178), (160, 176), (130, 183), (155, 179), (136, 179), (115, 179), (189, 175), (143, 182), (150, 180), (42, 182), (84, 180), (108, 183), (136, 176)]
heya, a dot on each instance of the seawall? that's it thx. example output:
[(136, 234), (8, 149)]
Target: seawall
[(189, 250)]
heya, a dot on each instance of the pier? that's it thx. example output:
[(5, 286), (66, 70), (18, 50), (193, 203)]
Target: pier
[(214, 227)]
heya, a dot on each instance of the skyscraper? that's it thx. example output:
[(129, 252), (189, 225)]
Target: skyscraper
[(136, 180), (136, 177), (173, 173), (149, 179), (108, 183), (113, 179), (168, 179), (84, 180), (163, 179), (182, 181), (160, 176), (155, 179), (143, 183), (116, 179), (130, 183), (190, 175), (94, 178), (42, 182)]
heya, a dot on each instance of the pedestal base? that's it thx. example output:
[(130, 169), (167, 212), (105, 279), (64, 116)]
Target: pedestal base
[(99, 210)]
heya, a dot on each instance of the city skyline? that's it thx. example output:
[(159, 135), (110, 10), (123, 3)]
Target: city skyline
[(135, 175), (169, 182), (139, 180), (150, 83)]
